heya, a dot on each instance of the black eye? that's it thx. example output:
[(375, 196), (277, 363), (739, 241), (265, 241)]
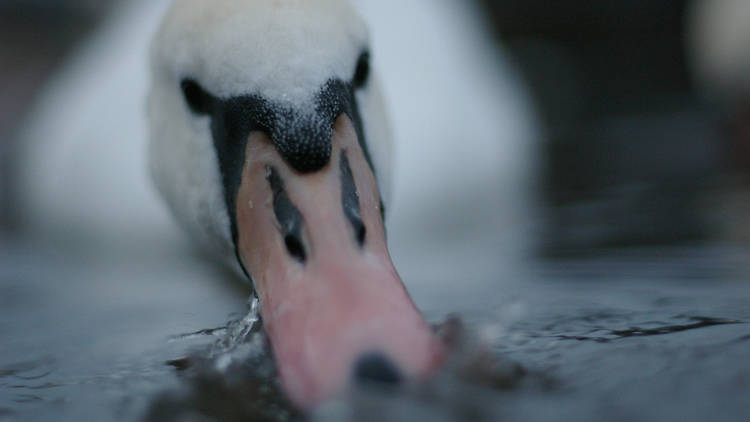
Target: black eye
[(196, 97), (363, 70)]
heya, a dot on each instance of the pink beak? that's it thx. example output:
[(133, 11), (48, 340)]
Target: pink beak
[(333, 305)]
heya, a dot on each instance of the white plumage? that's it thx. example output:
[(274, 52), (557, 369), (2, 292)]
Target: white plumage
[(239, 48)]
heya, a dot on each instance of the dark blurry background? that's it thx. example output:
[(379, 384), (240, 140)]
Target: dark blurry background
[(631, 155), (35, 37)]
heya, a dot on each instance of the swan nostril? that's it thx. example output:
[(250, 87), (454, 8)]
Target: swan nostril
[(294, 247), (288, 216), (376, 367), (350, 201)]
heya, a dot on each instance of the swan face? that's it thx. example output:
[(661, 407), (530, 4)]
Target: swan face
[(269, 143), (283, 51)]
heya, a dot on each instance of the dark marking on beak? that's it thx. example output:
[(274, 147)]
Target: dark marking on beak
[(301, 136), (288, 216), (350, 201)]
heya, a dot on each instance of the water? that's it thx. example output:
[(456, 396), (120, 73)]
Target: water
[(156, 333)]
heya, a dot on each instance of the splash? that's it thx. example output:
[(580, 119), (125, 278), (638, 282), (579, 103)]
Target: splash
[(239, 331), (234, 378), (238, 339), (234, 333)]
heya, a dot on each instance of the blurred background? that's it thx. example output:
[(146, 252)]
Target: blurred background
[(35, 39), (644, 109), (641, 105)]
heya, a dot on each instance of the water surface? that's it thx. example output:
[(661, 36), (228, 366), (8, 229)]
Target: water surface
[(645, 334)]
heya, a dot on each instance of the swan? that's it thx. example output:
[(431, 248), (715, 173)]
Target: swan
[(266, 128), (305, 224)]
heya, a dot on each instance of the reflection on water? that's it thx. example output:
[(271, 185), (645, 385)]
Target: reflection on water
[(625, 334), (652, 328)]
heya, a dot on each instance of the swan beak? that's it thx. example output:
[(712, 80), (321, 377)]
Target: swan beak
[(333, 306)]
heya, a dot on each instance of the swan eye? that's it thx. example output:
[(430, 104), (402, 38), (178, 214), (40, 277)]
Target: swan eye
[(196, 97), (363, 70)]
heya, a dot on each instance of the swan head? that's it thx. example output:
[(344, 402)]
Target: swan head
[(270, 145)]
